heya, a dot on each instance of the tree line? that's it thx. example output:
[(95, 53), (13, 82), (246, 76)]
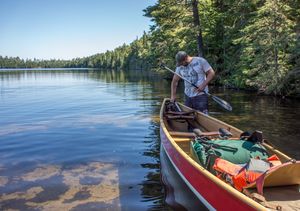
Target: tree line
[(127, 56), (250, 44)]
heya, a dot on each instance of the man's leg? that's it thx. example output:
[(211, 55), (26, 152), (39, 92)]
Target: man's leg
[(188, 101), (200, 103)]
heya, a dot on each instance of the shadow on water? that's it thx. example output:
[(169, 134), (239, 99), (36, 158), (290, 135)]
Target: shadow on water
[(90, 186), (104, 163), (178, 194)]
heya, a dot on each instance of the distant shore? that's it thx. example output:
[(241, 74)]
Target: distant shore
[(42, 68)]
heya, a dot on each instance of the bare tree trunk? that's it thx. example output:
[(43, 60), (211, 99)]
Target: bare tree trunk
[(219, 50), (198, 26)]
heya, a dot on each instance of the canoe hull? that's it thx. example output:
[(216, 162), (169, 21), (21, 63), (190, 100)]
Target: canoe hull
[(177, 194), (207, 191), (213, 192)]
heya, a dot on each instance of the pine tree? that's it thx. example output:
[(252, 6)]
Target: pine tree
[(266, 46)]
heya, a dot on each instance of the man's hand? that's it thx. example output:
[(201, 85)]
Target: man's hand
[(201, 87), (209, 76), (172, 100)]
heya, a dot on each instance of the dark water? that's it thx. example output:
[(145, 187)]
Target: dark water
[(88, 140)]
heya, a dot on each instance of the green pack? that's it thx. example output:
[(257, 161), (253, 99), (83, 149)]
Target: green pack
[(234, 151)]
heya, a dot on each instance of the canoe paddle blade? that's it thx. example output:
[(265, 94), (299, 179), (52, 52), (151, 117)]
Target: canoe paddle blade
[(222, 103)]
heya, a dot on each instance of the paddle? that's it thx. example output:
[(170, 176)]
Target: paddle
[(218, 100)]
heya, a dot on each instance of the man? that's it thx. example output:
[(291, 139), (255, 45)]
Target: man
[(198, 71)]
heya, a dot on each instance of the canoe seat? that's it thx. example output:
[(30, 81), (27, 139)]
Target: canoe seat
[(282, 175)]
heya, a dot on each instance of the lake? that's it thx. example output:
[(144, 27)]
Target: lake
[(89, 140)]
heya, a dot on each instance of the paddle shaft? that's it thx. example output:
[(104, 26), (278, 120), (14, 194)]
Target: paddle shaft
[(194, 85)]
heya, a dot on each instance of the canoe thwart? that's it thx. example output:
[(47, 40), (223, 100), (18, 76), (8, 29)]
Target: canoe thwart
[(180, 117), (190, 134), (180, 112), (182, 134)]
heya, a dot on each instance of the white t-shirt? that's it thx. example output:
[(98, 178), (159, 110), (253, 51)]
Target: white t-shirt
[(195, 72)]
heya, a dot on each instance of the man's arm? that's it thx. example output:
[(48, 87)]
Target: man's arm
[(174, 84), (209, 76)]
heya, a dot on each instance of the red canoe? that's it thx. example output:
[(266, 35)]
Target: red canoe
[(213, 192)]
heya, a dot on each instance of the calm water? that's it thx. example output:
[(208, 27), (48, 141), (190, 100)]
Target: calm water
[(87, 140)]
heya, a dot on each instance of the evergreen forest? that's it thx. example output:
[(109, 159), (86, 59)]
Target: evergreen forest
[(253, 44)]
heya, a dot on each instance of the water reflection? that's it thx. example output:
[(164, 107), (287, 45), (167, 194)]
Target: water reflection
[(276, 118), (89, 139), (152, 189), (57, 126)]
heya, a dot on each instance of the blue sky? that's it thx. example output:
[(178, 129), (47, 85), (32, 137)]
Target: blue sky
[(65, 29)]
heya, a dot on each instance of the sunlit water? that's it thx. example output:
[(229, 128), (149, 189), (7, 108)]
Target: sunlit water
[(88, 140)]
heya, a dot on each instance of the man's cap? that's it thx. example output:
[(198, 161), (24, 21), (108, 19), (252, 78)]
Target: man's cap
[(180, 57)]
